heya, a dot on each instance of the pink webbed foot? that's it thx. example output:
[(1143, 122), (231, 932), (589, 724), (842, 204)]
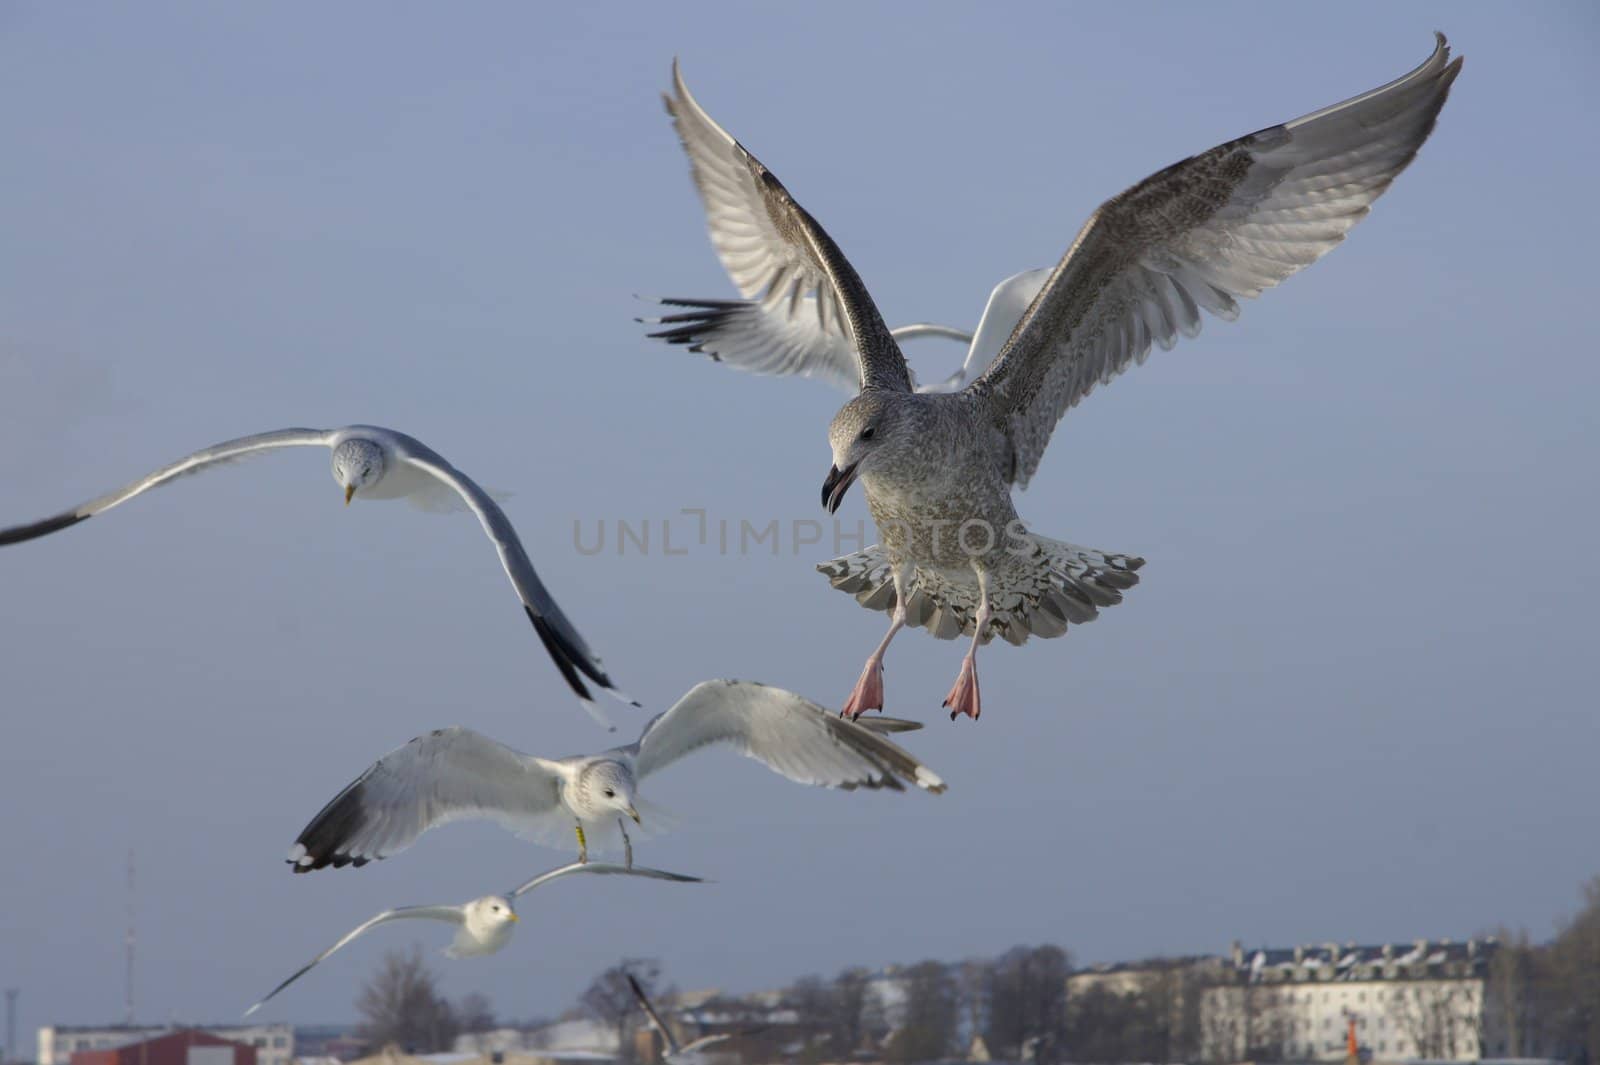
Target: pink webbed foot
[(868, 692), (963, 698)]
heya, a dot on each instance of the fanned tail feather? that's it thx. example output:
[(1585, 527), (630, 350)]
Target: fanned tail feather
[(1040, 591)]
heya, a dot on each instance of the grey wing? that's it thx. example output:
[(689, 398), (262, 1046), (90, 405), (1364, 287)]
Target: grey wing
[(1204, 233), (650, 1011), (227, 451), (778, 255), (560, 637), (884, 726), (446, 775), (706, 1041), (790, 734), (748, 335), (602, 869), (451, 914)]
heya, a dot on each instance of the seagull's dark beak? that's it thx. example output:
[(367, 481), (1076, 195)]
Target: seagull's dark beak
[(635, 815), (836, 484), (349, 490)]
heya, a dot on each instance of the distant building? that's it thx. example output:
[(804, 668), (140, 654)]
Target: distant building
[(186, 1046), (273, 1043), (329, 1043), (1139, 977), (1423, 1000)]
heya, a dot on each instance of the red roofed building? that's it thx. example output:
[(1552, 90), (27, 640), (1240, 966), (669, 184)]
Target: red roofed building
[(187, 1046)]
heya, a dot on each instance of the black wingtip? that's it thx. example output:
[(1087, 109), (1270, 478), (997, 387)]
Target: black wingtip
[(18, 533), (566, 657), (321, 843)]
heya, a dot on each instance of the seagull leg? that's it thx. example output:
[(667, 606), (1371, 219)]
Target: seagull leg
[(627, 844), (868, 692), (583, 845), (963, 698)]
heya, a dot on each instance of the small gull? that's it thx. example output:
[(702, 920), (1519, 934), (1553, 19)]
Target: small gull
[(938, 468), (688, 1054), (370, 462), (456, 773), (483, 925)]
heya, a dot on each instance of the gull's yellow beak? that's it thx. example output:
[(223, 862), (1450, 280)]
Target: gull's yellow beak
[(635, 815), (349, 490), (513, 917)]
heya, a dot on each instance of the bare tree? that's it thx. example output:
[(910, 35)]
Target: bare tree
[(812, 999), (1241, 1022), (927, 1030), (857, 1013), (1027, 1002), (1575, 981), (974, 988), (609, 999), (1439, 1018), (402, 1006), (1516, 986)]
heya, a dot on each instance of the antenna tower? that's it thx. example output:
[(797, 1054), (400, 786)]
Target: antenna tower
[(128, 944)]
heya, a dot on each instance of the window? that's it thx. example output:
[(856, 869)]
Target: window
[(279, 1041)]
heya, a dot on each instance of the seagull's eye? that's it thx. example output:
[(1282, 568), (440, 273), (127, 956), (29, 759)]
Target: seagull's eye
[(866, 434), (610, 794), (366, 471)]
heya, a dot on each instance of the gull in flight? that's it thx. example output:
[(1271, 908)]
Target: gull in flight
[(674, 1054), (370, 462), (938, 468), (483, 925), (456, 773)]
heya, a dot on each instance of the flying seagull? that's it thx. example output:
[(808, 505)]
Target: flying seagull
[(674, 1054), (370, 462), (456, 773), (483, 925), (938, 469)]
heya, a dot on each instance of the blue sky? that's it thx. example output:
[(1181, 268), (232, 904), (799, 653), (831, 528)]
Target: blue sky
[(1352, 698)]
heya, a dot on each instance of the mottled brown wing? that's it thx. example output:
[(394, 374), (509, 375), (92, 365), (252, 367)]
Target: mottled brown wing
[(777, 255), (1204, 233)]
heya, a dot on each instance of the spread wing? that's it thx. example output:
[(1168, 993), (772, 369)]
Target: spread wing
[(565, 646), (602, 869), (650, 1012), (451, 914), (791, 341), (205, 458), (446, 775), (790, 734), (784, 341), (778, 255), (1204, 233)]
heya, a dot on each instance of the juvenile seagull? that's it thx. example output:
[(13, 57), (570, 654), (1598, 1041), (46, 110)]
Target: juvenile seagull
[(938, 469), (456, 773), (483, 925), (674, 1054), (377, 463)]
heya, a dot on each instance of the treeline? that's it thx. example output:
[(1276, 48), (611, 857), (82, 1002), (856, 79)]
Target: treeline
[(1549, 993), (932, 1010)]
